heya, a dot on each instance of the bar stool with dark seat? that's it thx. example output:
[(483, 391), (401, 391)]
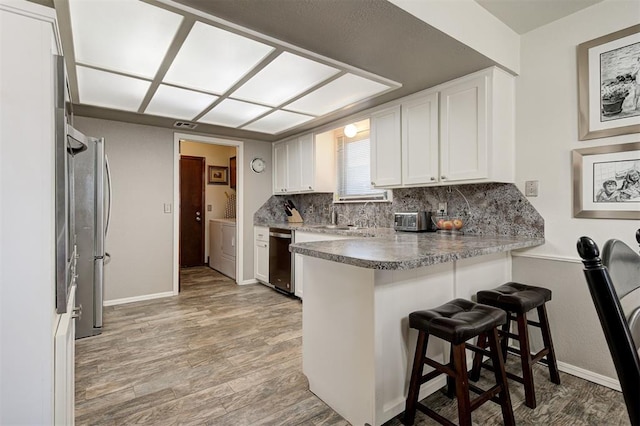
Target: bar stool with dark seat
[(456, 322), (518, 299)]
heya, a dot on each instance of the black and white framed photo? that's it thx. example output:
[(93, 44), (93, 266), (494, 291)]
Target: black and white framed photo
[(606, 182), (609, 85)]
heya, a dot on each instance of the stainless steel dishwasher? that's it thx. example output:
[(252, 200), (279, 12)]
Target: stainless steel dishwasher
[(280, 260)]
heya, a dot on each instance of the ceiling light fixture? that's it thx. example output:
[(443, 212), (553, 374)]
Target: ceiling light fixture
[(350, 130)]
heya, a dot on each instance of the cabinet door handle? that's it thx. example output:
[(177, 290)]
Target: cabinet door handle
[(310, 188), (373, 183), (443, 177), (432, 178)]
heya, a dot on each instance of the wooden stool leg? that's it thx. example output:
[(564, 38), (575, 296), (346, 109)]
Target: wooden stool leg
[(451, 382), (478, 358), (501, 378), (416, 375), (506, 328), (462, 385), (546, 338), (525, 357)]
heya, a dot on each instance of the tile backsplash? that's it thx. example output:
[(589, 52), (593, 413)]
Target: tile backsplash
[(493, 208)]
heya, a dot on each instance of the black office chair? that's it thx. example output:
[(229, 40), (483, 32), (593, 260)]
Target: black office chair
[(605, 291)]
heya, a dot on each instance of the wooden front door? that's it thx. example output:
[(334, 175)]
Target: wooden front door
[(191, 211)]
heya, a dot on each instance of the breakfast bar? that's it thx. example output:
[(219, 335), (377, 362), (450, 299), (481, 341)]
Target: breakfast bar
[(358, 292)]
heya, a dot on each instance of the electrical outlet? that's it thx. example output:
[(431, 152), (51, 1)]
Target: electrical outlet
[(209, 207), (442, 209), (531, 188)]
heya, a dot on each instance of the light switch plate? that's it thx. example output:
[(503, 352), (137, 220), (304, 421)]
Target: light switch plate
[(531, 188), (209, 207), (167, 208)]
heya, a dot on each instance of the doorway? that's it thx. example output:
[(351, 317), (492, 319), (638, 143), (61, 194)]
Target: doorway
[(192, 199), (215, 166)]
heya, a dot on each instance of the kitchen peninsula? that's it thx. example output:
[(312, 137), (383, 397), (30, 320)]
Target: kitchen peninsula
[(358, 293)]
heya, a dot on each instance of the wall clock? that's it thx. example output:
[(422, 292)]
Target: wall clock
[(258, 165)]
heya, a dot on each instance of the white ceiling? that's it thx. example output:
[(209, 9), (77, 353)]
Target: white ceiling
[(262, 69)]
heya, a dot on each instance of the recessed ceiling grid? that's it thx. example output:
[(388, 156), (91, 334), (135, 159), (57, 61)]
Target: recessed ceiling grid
[(153, 58)]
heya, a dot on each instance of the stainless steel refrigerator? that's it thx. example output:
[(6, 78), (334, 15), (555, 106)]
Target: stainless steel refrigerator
[(92, 190)]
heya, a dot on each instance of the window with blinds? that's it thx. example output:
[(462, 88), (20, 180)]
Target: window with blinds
[(353, 168)]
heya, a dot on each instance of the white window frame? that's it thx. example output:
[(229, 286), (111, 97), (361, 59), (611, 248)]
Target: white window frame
[(385, 196)]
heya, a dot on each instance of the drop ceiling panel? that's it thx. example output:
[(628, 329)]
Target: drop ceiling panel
[(277, 122), (130, 37), (339, 93), (171, 101), (233, 113), (212, 59), (110, 90), (284, 78)]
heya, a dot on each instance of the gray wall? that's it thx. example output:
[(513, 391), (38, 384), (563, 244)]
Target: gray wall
[(575, 329), (257, 189), (140, 239)]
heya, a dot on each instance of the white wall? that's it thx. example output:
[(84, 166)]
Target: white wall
[(215, 195), (547, 131), (471, 24)]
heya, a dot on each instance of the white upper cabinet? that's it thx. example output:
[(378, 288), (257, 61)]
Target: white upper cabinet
[(307, 162), (386, 158), (304, 164), (461, 131), (420, 140), (280, 172)]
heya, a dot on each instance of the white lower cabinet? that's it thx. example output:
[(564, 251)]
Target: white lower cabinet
[(307, 237), (222, 246), (261, 254)]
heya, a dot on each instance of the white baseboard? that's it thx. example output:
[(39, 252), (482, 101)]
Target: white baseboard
[(137, 298), (547, 257), (590, 376), (249, 281)]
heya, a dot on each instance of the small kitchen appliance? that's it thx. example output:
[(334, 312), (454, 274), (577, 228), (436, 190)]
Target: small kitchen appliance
[(419, 221)]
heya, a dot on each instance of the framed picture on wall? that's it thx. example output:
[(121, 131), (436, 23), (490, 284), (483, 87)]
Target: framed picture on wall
[(609, 85), (232, 172), (218, 175), (606, 182)]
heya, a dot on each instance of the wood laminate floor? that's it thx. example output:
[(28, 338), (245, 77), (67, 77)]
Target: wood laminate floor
[(222, 354)]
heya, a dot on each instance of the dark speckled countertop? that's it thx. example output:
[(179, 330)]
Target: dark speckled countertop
[(395, 251)]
